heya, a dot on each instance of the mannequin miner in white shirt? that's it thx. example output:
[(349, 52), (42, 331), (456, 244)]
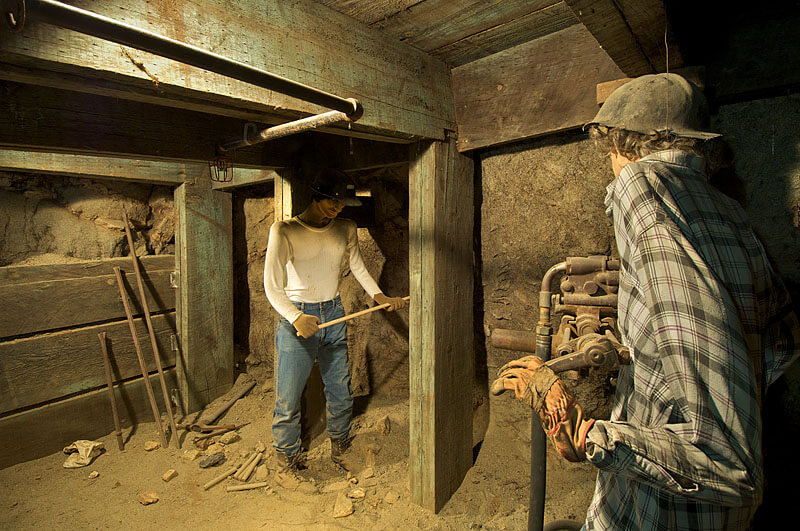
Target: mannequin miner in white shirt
[(301, 279)]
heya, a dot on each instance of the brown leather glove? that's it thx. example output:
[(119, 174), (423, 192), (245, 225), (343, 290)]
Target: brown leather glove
[(538, 386)]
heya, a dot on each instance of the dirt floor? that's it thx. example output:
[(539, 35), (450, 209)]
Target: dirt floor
[(494, 494)]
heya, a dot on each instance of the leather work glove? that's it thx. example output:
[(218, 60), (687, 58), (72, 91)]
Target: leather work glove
[(306, 325), (396, 302), (562, 418)]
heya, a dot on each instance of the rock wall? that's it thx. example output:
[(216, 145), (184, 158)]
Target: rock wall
[(254, 318), (52, 219)]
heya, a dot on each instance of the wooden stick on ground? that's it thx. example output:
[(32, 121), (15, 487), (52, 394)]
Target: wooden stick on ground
[(356, 314), (255, 456), (110, 383), (246, 486), (219, 478), (248, 471), (153, 343), (150, 395)]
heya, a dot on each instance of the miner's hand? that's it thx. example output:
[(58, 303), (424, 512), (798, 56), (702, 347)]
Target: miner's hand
[(395, 302), (306, 325), (562, 418)]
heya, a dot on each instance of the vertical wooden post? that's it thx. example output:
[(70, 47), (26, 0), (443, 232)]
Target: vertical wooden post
[(203, 249), (283, 196), (440, 331)]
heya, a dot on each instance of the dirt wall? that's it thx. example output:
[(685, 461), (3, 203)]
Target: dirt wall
[(53, 219)]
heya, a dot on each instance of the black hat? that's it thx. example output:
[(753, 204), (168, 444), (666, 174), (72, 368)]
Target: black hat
[(335, 184)]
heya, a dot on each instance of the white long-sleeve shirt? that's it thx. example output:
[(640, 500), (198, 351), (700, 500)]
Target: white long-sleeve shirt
[(303, 263)]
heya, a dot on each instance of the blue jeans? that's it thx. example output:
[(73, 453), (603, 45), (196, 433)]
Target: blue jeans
[(296, 356)]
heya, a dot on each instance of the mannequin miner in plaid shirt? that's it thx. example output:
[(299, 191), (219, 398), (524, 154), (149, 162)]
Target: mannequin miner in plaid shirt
[(709, 325)]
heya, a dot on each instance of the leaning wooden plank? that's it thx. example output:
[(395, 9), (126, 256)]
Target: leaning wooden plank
[(203, 246), (45, 303), (48, 366), (441, 353), (631, 32), (402, 89), (117, 168), (46, 430), (539, 87)]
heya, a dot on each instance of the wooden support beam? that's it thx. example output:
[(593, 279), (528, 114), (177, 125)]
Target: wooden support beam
[(118, 168), (441, 351), (632, 33), (42, 119), (404, 92), (533, 89), (46, 430), (203, 248)]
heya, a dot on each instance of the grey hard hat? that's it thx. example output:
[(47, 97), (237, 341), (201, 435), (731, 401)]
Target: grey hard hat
[(335, 184), (657, 102)]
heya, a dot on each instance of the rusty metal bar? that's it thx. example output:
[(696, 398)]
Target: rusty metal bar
[(89, 23), (290, 128)]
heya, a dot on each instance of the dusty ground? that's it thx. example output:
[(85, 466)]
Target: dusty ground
[(494, 494)]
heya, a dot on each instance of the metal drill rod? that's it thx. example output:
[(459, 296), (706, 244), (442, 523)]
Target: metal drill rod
[(89, 23), (150, 330), (145, 375), (110, 384)]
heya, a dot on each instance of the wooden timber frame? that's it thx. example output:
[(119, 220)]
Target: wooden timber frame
[(441, 351), (96, 126), (195, 337)]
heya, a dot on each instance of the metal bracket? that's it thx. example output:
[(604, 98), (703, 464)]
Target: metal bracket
[(249, 126), (173, 279), (173, 343)]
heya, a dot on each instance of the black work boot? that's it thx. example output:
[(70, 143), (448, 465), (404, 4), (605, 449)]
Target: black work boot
[(338, 449), (293, 463)]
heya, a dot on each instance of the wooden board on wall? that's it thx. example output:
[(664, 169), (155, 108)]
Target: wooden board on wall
[(402, 90), (441, 343), (46, 367), (539, 87), (50, 297), (203, 244), (47, 429)]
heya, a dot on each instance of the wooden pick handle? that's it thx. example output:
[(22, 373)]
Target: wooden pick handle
[(357, 314)]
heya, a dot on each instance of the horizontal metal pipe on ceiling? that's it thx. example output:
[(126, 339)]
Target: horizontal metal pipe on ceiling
[(290, 128), (89, 23)]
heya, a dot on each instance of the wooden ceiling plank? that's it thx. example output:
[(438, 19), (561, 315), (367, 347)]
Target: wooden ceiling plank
[(533, 89), (631, 32), (370, 11), (402, 89), (437, 23), (504, 36)]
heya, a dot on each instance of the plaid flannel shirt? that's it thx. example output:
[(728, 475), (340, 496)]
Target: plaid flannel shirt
[(710, 326)]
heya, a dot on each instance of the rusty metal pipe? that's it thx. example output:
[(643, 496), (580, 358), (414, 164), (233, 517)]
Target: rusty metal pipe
[(290, 128), (89, 23), (521, 340)]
